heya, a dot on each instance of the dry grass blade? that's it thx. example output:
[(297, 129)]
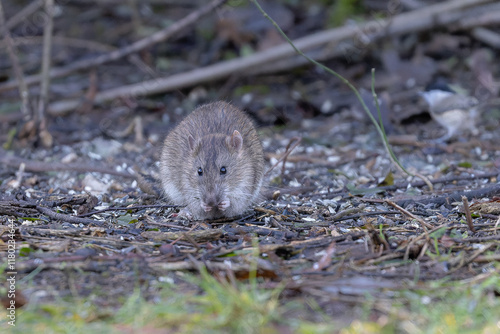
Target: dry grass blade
[(292, 144), (468, 216)]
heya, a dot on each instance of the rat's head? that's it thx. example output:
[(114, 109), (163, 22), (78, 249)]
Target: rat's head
[(216, 173)]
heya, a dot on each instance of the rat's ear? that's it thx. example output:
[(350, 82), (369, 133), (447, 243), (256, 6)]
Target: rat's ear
[(235, 141), (192, 142), (194, 145)]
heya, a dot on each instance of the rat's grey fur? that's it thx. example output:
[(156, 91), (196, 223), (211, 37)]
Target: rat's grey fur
[(213, 136)]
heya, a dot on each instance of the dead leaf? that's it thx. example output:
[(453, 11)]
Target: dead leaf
[(491, 207)]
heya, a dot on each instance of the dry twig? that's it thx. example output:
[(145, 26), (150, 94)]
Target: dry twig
[(127, 208), (66, 218), (422, 223), (493, 190)]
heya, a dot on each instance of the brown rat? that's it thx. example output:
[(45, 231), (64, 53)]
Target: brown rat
[(213, 162)]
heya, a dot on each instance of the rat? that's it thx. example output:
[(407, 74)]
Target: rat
[(212, 162)]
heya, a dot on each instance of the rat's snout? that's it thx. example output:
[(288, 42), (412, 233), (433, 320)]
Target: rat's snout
[(213, 199), (209, 201)]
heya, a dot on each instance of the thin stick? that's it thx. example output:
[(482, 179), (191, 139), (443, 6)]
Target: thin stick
[(23, 14), (468, 216), (46, 60), (448, 198), (67, 218), (18, 71), (409, 214), (289, 148)]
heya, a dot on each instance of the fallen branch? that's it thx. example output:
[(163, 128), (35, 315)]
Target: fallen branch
[(39, 166), (364, 214), (455, 197), (64, 41), (414, 184), (81, 263)]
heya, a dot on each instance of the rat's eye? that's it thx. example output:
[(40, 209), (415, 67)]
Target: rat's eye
[(223, 170), (200, 171)]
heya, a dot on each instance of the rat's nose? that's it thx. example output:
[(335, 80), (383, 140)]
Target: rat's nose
[(211, 200)]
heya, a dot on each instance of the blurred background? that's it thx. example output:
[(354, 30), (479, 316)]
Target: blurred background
[(457, 43)]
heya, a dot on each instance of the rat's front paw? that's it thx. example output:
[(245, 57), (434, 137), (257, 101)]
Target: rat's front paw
[(205, 207), (223, 205)]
